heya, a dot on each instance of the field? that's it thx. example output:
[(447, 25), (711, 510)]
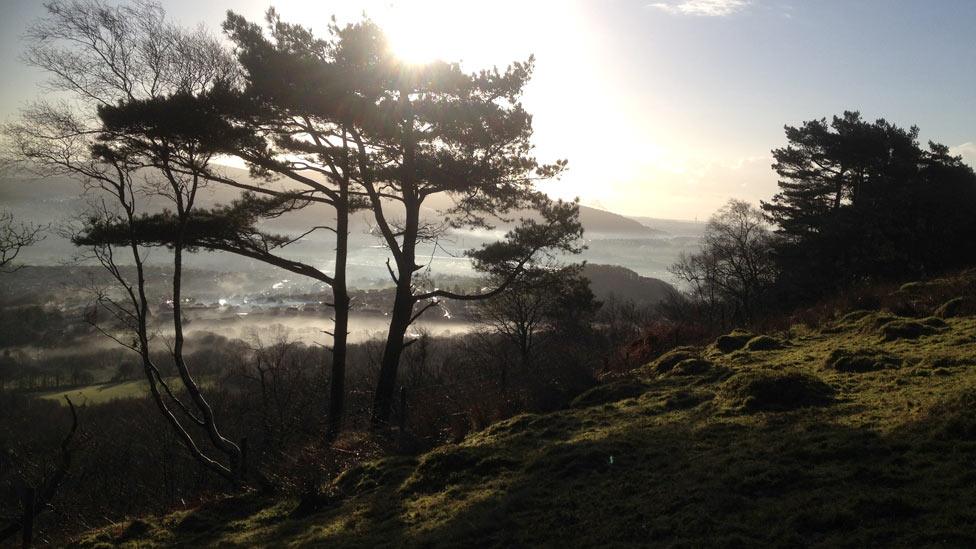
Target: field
[(99, 393), (860, 432)]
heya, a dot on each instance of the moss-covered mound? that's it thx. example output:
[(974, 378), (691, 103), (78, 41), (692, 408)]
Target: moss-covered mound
[(733, 341), (956, 307), (764, 343), (861, 360), (861, 322), (953, 418), (669, 360), (775, 391), (882, 459), (691, 367), (904, 328), (610, 392)]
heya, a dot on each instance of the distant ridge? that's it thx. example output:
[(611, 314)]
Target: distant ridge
[(615, 281)]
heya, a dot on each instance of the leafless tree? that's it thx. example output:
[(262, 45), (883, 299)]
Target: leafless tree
[(99, 55), (14, 237), (734, 264)]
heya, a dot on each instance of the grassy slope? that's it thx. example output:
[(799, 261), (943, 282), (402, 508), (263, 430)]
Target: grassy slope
[(887, 459)]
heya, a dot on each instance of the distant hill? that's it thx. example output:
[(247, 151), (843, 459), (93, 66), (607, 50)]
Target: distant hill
[(673, 227), (55, 199), (625, 284), (604, 222)]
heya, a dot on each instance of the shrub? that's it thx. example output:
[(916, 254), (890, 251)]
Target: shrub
[(662, 336)]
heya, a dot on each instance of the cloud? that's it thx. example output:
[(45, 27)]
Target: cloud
[(704, 8), (967, 151)]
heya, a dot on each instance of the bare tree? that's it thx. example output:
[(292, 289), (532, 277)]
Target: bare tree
[(541, 302), (14, 237), (99, 55), (734, 264)]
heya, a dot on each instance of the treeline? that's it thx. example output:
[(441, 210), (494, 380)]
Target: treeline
[(859, 203)]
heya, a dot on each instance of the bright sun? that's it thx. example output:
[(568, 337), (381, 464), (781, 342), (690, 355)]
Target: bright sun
[(424, 31)]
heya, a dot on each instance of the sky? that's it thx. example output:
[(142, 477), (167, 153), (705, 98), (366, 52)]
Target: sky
[(663, 108)]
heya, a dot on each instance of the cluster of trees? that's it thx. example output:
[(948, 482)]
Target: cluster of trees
[(863, 200), (335, 124), (859, 202)]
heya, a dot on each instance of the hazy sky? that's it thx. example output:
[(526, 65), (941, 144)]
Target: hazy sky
[(664, 108)]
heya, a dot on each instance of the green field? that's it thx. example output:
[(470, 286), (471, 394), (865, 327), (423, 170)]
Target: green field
[(99, 393), (861, 432)]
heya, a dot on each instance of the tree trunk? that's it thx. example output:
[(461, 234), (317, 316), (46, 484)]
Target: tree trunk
[(399, 322), (406, 266), (340, 298)]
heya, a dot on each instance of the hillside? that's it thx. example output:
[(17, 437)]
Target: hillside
[(858, 432), (622, 283)]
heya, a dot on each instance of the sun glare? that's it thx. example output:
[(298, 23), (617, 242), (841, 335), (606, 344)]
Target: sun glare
[(424, 31), (477, 34)]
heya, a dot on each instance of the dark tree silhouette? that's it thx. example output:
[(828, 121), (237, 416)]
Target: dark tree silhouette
[(861, 200)]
